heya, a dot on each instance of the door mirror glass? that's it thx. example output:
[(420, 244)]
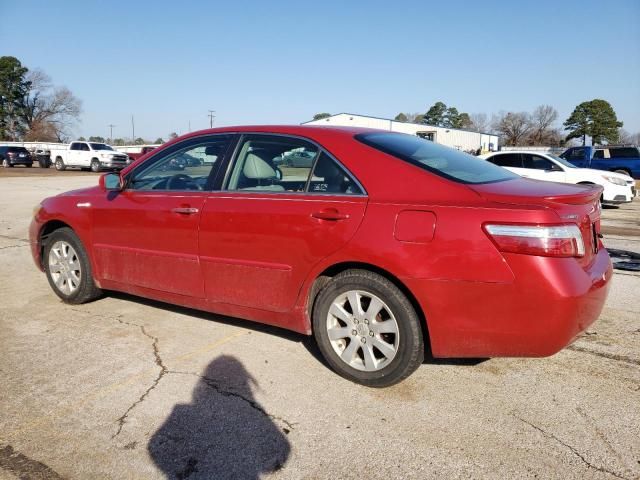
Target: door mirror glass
[(111, 182)]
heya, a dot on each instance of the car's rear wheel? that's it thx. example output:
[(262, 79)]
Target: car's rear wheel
[(68, 268), (367, 329), (5, 163), (95, 165), (60, 166), (29, 165)]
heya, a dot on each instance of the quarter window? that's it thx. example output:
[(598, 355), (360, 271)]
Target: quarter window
[(626, 152), (329, 177), (186, 166)]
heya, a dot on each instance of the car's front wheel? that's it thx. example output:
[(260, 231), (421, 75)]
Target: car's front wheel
[(5, 163), (95, 166), (68, 268), (367, 329)]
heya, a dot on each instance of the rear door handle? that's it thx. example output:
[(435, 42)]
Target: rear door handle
[(330, 214), (185, 210)]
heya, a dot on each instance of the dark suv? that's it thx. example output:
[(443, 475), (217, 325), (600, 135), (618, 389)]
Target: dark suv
[(10, 156)]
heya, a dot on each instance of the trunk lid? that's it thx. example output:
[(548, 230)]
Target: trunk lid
[(579, 204)]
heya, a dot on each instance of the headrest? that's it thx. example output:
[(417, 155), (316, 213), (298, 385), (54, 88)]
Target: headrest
[(257, 168)]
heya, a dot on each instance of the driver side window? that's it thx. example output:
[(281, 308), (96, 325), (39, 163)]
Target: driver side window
[(186, 166)]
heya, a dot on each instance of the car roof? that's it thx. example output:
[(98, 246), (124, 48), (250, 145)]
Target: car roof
[(301, 130)]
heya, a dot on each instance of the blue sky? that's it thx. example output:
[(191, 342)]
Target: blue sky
[(167, 63)]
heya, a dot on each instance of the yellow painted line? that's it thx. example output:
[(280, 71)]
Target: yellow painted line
[(104, 391)]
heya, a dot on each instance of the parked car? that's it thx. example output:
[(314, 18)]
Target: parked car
[(42, 156), (143, 151), (385, 244), (615, 158), (617, 188), (10, 156), (93, 155)]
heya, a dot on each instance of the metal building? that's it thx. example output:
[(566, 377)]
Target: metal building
[(466, 140)]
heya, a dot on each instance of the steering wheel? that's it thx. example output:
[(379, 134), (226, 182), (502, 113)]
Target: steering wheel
[(182, 181)]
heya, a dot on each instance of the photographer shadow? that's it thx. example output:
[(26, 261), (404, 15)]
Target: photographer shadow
[(223, 433)]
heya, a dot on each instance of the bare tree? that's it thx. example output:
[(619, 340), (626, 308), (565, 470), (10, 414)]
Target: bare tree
[(479, 122), (50, 112), (541, 124), (626, 137), (514, 127)]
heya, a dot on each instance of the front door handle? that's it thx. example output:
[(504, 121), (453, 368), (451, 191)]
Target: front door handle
[(330, 214), (185, 210)]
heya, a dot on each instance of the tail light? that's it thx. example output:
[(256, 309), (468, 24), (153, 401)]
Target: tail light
[(543, 240)]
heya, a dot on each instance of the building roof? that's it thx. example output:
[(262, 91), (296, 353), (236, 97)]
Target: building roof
[(398, 121)]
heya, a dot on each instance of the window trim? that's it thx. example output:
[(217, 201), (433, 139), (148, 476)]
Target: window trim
[(163, 153), (232, 159)]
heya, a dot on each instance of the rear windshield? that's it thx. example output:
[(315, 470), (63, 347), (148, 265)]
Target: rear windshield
[(443, 161), (17, 150)]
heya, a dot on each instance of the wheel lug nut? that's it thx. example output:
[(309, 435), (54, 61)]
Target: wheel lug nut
[(371, 334), (354, 332), (366, 322), (355, 320), (364, 340)]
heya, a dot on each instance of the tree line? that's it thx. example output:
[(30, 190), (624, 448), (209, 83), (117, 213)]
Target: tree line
[(595, 118)]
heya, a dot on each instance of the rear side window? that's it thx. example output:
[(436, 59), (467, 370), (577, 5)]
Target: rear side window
[(442, 161), (75, 146), (507, 160), (598, 154), (624, 152)]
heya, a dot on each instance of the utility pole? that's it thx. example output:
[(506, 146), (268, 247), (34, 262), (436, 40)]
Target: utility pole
[(110, 132), (212, 115), (189, 126), (133, 131)]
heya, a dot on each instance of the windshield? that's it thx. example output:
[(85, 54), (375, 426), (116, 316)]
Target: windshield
[(562, 161), (443, 161), (100, 146)]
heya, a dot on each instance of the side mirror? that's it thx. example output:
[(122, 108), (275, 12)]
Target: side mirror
[(110, 182)]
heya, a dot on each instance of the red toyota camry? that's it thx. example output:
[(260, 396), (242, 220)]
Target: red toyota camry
[(381, 245)]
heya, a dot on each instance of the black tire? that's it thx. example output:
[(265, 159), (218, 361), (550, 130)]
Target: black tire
[(87, 290), (95, 165), (59, 164), (29, 165), (410, 348)]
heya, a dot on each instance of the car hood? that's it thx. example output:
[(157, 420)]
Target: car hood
[(593, 171)]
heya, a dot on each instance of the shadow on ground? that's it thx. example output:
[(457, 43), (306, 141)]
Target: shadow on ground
[(223, 433)]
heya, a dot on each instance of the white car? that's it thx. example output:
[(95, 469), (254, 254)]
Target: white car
[(93, 155), (618, 188)]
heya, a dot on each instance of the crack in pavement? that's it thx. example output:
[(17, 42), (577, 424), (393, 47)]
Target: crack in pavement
[(211, 383), (571, 448), (9, 237), (163, 371), (13, 246), (610, 356)]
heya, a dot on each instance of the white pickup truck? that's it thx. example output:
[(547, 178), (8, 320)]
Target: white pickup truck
[(96, 156)]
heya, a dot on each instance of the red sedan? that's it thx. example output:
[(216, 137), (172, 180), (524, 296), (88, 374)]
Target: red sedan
[(381, 245)]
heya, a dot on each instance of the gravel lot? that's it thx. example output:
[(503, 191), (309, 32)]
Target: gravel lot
[(129, 388)]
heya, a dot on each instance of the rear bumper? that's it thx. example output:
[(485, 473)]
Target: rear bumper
[(20, 161), (550, 302)]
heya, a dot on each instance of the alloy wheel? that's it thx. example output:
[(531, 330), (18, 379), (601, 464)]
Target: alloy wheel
[(362, 330), (64, 267)]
